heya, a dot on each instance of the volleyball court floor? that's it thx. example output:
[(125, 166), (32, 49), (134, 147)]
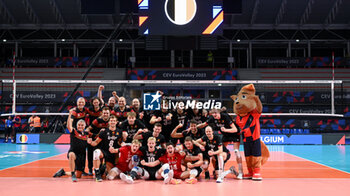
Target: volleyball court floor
[(291, 170)]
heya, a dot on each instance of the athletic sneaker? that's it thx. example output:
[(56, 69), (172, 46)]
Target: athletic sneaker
[(126, 178), (257, 177), (249, 175), (191, 181), (207, 175), (59, 173), (168, 177), (240, 176), (175, 181), (74, 178), (98, 176), (220, 179)]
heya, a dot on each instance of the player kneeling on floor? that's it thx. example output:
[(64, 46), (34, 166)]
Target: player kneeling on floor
[(77, 151)]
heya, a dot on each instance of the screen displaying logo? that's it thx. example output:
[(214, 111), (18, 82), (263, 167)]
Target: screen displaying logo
[(180, 12), (151, 101)]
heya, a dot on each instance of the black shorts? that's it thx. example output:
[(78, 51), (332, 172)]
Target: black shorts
[(231, 138), (152, 172), (109, 157), (217, 163), (205, 154), (79, 161), (199, 169), (252, 148)]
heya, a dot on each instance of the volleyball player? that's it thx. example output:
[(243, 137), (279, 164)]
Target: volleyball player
[(128, 158), (167, 118), (77, 151), (193, 160), (212, 143), (94, 110), (149, 164), (122, 110), (192, 131), (145, 135), (171, 169), (110, 137), (80, 111), (132, 126), (223, 124), (135, 107), (93, 130), (111, 101), (182, 119)]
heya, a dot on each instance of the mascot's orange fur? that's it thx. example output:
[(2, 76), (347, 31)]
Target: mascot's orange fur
[(248, 108)]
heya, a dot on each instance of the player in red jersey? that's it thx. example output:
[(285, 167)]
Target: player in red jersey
[(172, 165), (125, 163)]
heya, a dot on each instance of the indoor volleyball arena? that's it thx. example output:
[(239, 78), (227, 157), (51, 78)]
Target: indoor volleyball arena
[(174, 97)]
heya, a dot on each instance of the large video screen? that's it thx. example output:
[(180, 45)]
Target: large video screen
[(180, 17)]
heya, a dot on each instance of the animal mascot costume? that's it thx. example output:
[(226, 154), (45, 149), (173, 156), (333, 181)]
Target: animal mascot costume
[(248, 108)]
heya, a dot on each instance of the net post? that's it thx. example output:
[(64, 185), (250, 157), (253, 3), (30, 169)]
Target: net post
[(13, 83), (332, 86)]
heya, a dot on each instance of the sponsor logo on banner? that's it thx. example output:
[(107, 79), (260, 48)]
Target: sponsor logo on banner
[(151, 101)]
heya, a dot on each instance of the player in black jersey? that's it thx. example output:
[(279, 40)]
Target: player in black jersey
[(193, 159), (182, 119), (223, 124), (94, 130), (79, 112), (135, 107), (212, 143), (132, 126), (148, 164), (168, 120), (110, 137), (192, 131), (111, 101), (145, 135), (94, 110), (122, 110), (196, 114), (77, 151)]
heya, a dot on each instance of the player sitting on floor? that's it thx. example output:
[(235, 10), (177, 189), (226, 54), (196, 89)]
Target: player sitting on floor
[(126, 161), (171, 170), (149, 164)]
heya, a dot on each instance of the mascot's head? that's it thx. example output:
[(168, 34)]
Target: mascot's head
[(246, 101)]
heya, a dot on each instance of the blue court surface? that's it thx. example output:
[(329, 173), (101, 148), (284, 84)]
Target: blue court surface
[(334, 156)]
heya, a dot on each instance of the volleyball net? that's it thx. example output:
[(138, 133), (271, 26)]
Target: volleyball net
[(299, 98)]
